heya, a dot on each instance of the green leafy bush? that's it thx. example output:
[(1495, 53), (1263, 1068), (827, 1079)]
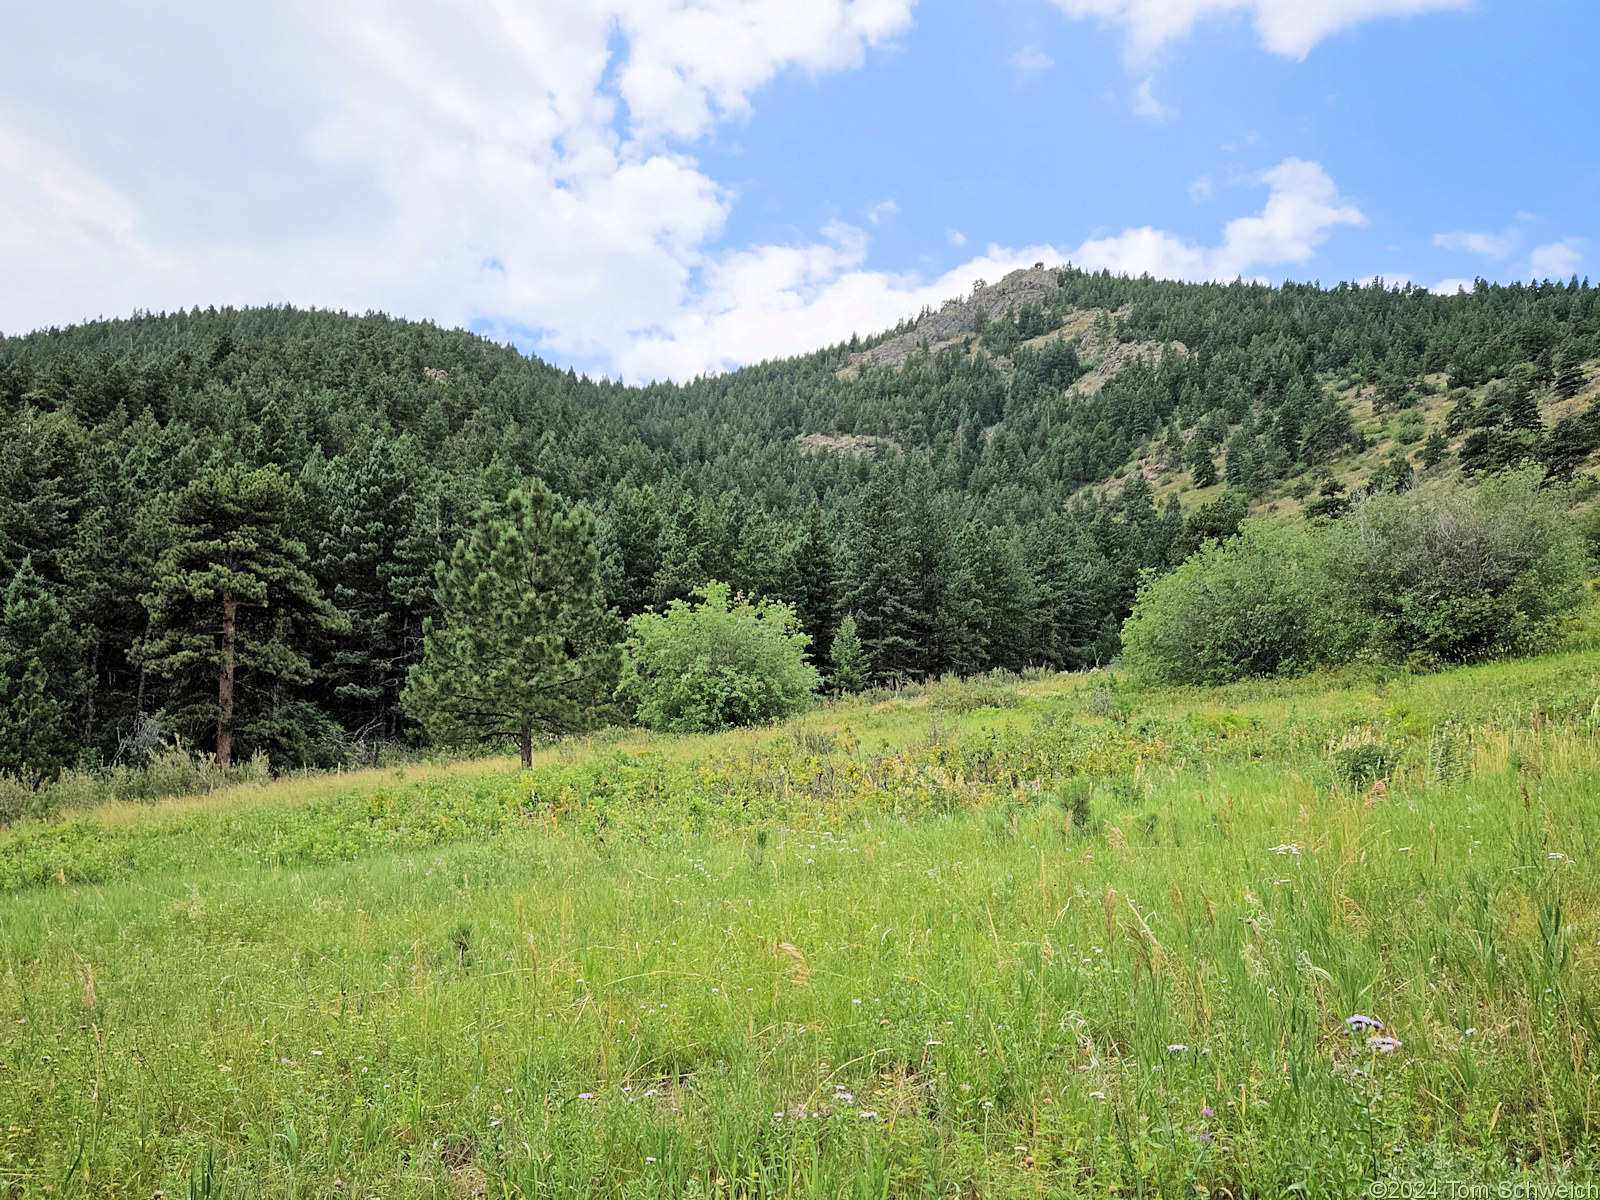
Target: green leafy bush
[(1256, 604), (1467, 576), (725, 661)]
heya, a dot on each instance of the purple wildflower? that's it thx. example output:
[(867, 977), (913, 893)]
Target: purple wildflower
[(1384, 1045), (585, 1095), (1207, 1111), (1359, 1023), (1176, 1048), (1206, 1138)]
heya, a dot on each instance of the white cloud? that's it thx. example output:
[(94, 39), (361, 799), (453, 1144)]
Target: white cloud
[(955, 237), (489, 161), (1030, 61), (1200, 189), (1303, 208), (1145, 103), (1287, 27), (1556, 260), (517, 166), (772, 301), (1449, 287), (884, 208), (1490, 245)]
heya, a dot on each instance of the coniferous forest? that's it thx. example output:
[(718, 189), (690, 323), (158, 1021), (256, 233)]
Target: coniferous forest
[(266, 495)]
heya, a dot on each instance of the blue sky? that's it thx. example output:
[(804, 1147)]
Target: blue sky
[(1472, 120), (656, 188)]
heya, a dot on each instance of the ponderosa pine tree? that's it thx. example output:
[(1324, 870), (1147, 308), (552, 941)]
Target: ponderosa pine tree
[(523, 644), (40, 678), (233, 608)]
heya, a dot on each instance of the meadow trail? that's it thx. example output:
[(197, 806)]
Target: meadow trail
[(1002, 938)]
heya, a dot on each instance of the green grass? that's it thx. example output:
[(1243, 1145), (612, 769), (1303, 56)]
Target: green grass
[(869, 955)]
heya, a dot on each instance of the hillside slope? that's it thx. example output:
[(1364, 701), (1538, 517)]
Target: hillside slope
[(984, 484)]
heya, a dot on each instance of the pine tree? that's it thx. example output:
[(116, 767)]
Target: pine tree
[(524, 644), (360, 561), (1569, 376), (40, 678), (1001, 598), (1330, 503), (684, 559), (1519, 409), (883, 585), (812, 584), (847, 659), (233, 606), (1434, 449)]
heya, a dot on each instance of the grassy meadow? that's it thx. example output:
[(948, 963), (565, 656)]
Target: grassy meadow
[(1053, 938)]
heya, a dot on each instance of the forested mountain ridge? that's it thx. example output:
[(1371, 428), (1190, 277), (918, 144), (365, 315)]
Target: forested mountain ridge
[(1023, 470)]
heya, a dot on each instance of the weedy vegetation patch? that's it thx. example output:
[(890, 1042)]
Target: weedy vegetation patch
[(1055, 937)]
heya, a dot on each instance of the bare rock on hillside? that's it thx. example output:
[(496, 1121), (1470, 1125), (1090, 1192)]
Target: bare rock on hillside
[(957, 318), (853, 444)]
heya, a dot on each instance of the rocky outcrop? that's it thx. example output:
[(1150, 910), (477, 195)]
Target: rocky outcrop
[(853, 444), (957, 318)]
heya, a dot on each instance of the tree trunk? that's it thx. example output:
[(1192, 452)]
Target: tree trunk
[(230, 608), (525, 742), (94, 683)]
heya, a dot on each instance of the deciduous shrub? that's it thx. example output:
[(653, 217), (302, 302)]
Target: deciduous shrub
[(1469, 575), (1256, 604), (1458, 577), (725, 661)]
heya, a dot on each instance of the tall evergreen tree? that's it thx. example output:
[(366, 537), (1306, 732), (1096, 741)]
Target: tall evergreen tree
[(233, 608), (40, 678), (812, 584), (1569, 377), (523, 644), (360, 561), (883, 584)]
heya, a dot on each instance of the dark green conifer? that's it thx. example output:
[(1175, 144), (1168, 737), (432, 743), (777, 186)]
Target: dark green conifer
[(360, 563), (847, 660), (523, 644), (40, 678), (233, 609)]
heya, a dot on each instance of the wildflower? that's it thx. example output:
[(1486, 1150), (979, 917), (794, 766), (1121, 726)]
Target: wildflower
[(1207, 1111), (1176, 1048), (1206, 1138), (649, 1158), (585, 1095), (866, 1113), (1359, 1023), (1384, 1045)]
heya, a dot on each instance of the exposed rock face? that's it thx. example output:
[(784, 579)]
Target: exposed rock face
[(957, 318), (853, 444)]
